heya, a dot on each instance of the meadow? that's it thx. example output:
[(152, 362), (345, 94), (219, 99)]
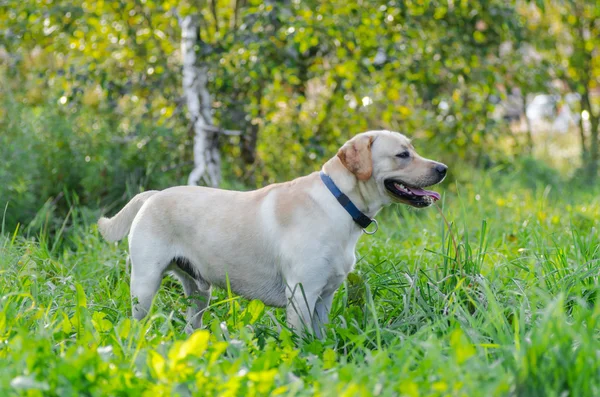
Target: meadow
[(493, 294)]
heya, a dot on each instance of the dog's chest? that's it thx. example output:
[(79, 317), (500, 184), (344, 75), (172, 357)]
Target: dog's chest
[(336, 267), (269, 289)]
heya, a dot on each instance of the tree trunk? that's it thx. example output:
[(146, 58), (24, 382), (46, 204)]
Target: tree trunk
[(594, 148), (584, 146), (207, 159), (592, 152), (248, 144), (249, 137), (530, 142)]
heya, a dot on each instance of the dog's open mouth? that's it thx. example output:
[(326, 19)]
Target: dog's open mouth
[(414, 196)]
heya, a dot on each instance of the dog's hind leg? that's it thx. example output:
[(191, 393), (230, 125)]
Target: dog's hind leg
[(196, 289), (148, 264)]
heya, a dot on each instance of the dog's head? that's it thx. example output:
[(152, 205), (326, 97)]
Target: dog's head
[(390, 161)]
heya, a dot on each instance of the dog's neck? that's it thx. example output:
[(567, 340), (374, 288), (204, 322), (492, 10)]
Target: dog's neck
[(364, 194)]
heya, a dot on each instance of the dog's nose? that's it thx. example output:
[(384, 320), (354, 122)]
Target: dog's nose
[(441, 169)]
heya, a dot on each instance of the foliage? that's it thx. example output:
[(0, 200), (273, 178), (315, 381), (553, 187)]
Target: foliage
[(567, 35), (51, 156), (298, 78), (295, 77), (510, 309)]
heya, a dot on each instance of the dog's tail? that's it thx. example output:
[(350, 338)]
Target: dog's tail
[(115, 228)]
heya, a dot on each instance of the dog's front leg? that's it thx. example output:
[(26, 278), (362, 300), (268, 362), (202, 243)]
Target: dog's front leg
[(300, 307), (321, 315)]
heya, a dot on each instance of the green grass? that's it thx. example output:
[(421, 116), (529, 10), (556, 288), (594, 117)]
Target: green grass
[(503, 303)]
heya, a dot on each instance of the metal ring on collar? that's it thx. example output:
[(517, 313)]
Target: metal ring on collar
[(365, 231)]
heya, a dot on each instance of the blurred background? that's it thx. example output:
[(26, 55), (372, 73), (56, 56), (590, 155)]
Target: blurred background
[(94, 106)]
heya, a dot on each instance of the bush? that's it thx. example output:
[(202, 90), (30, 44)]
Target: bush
[(49, 153)]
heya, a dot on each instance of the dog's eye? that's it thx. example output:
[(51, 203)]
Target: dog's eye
[(403, 155)]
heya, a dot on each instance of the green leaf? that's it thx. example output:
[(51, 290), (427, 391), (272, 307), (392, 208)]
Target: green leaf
[(101, 324), (157, 363), (255, 311), (66, 324), (329, 358), (81, 299), (195, 345)]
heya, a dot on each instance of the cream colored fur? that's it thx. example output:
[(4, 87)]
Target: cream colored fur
[(289, 245), (117, 227)]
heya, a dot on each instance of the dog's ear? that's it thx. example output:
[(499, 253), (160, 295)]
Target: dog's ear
[(356, 156)]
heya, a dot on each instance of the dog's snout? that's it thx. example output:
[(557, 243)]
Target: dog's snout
[(441, 169)]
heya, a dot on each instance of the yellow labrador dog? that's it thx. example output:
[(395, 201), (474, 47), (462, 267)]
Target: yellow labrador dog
[(288, 244)]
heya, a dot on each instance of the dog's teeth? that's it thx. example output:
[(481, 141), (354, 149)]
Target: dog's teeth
[(402, 188)]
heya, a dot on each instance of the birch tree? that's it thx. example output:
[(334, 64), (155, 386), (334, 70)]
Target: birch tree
[(207, 160)]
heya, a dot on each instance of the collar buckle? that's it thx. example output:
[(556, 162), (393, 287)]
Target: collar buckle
[(374, 222)]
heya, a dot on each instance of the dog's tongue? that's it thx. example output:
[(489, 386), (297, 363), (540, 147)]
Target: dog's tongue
[(420, 192)]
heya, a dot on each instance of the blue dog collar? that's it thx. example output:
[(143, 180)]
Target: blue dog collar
[(361, 219)]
